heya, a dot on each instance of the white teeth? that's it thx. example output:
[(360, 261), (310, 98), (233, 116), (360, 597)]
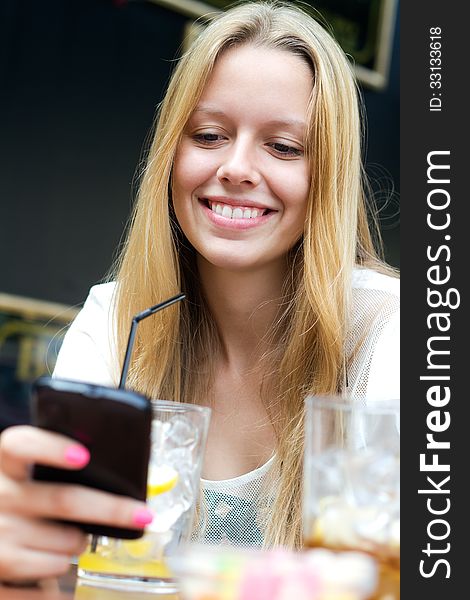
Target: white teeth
[(236, 213)]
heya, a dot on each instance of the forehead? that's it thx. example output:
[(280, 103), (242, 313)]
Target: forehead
[(264, 81), (261, 64), (256, 74)]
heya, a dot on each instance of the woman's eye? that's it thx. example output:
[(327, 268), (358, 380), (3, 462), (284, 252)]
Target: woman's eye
[(285, 150), (207, 138)]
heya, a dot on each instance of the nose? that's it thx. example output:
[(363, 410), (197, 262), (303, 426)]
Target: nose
[(238, 166)]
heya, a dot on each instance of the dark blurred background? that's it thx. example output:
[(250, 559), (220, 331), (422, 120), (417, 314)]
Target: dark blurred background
[(79, 84)]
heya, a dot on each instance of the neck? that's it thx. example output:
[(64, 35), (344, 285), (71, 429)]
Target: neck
[(244, 306)]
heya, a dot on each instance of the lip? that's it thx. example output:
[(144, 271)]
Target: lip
[(237, 224)]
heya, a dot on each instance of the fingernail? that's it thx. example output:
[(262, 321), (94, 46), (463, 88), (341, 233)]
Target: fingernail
[(77, 456), (142, 516)]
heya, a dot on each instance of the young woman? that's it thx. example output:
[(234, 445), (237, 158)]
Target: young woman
[(252, 203)]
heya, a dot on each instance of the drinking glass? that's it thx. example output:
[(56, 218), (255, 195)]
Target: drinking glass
[(178, 441), (351, 497)]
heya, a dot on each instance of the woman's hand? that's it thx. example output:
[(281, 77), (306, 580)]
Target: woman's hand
[(31, 546)]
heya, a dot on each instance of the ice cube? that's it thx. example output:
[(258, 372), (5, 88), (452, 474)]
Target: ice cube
[(181, 433), (373, 526), (377, 480), (169, 506), (326, 473), (166, 518), (158, 437), (180, 458)]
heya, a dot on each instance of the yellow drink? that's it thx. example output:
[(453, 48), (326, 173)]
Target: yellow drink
[(141, 558), (96, 563)]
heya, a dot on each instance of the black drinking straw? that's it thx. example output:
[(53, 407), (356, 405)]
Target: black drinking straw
[(127, 357), (135, 321)]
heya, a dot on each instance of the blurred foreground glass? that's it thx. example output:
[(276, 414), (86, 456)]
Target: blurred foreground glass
[(179, 433), (235, 573), (352, 482)]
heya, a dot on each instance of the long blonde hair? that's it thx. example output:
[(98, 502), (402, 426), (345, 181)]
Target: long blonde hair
[(157, 262)]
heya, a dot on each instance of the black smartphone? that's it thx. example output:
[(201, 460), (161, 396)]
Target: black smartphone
[(114, 424)]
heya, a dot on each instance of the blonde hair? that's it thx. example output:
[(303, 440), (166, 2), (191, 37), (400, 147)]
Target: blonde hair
[(308, 339)]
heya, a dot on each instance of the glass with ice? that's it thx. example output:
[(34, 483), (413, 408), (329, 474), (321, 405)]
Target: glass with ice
[(351, 497), (179, 434)]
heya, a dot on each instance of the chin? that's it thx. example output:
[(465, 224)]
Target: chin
[(241, 262), (231, 263)]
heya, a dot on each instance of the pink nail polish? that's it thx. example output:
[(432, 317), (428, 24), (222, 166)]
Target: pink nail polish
[(142, 516), (77, 456)]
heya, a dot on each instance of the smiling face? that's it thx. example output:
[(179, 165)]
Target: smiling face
[(240, 178)]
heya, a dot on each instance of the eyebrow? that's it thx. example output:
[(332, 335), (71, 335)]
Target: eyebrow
[(289, 122)]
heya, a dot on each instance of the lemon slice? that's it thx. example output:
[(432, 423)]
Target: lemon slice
[(161, 479)]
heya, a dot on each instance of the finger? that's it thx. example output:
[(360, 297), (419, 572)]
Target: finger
[(36, 590), (75, 503), (23, 564), (23, 445), (41, 535)]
